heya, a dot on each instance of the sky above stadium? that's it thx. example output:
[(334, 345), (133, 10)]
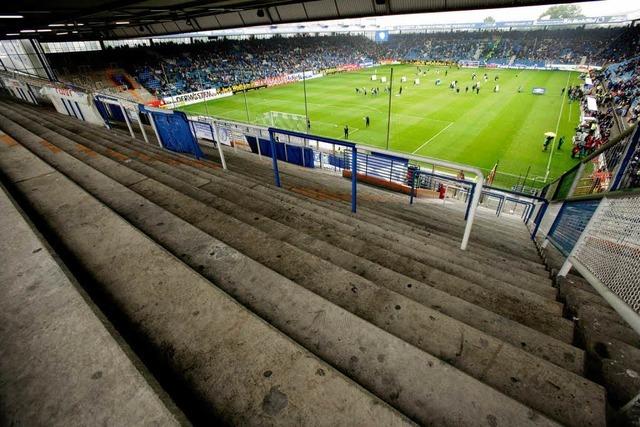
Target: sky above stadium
[(589, 9), (628, 8)]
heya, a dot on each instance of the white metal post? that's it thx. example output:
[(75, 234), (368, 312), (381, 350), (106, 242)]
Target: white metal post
[(144, 132), (219, 144), (155, 129), (126, 119), (258, 145)]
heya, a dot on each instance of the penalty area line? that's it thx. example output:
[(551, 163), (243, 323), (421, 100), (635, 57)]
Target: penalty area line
[(432, 138)]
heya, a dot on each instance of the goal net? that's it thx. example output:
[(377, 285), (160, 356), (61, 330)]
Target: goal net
[(282, 120)]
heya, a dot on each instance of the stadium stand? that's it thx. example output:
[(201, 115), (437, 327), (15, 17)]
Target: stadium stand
[(167, 69), (350, 290)]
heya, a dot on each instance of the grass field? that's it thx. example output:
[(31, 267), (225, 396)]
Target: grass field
[(430, 120)]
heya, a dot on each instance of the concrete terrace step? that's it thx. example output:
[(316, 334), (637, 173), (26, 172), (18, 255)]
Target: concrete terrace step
[(563, 355), (375, 273), (562, 329), (440, 383), (59, 362), (559, 327), (326, 181), (529, 318), (438, 219), (125, 136), (190, 326), (158, 193), (110, 136), (544, 289)]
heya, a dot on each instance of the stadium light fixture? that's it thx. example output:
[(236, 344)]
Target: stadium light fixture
[(74, 32), (13, 34), (45, 30), (62, 33), (121, 22), (11, 16), (27, 31), (56, 25)]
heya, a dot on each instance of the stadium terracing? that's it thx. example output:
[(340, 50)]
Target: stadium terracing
[(165, 268)]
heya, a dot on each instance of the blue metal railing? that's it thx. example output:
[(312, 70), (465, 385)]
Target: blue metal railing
[(379, 167), (351, 145), (415, 175)]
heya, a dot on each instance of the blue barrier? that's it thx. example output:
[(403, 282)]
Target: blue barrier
[(352, 146), (570, 222), (173, 130), (301, 156), (379, 166)]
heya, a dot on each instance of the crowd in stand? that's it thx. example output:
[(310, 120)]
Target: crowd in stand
[(227, 63), (169, 69), (616, 90)]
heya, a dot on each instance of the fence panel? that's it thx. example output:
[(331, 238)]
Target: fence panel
[(570, 223), (610, 248)]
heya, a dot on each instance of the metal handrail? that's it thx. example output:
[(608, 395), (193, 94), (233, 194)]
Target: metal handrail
[(355, 147)]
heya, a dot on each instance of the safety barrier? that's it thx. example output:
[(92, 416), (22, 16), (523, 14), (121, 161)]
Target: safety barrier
[(597, 228), (607, 253), (356, 150)]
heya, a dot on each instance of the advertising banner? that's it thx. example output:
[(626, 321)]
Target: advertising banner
[(191, 98), (73, 103)]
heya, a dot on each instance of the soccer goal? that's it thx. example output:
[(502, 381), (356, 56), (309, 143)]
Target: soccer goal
[(282, 120)]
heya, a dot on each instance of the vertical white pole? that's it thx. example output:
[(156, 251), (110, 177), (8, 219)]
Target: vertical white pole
[(219, 144), (258, 145), (472, 211), (155, 129), (144, 132), (126, 119)]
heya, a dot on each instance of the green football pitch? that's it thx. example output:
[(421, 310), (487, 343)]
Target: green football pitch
[(428, 119)]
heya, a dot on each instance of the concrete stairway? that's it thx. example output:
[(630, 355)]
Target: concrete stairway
[(372, 317), (50, 334)]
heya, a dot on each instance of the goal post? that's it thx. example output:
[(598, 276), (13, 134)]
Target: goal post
[(283, 120)]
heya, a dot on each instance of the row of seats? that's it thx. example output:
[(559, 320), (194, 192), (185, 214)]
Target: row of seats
[(254, 304)]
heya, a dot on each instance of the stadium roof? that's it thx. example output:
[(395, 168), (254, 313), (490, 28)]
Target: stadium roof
[(61, 20)]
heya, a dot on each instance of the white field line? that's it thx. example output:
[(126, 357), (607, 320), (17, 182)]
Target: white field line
[(432, 138), (557, 125)]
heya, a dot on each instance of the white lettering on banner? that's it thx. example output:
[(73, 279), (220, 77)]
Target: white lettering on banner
[(192, 97)]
